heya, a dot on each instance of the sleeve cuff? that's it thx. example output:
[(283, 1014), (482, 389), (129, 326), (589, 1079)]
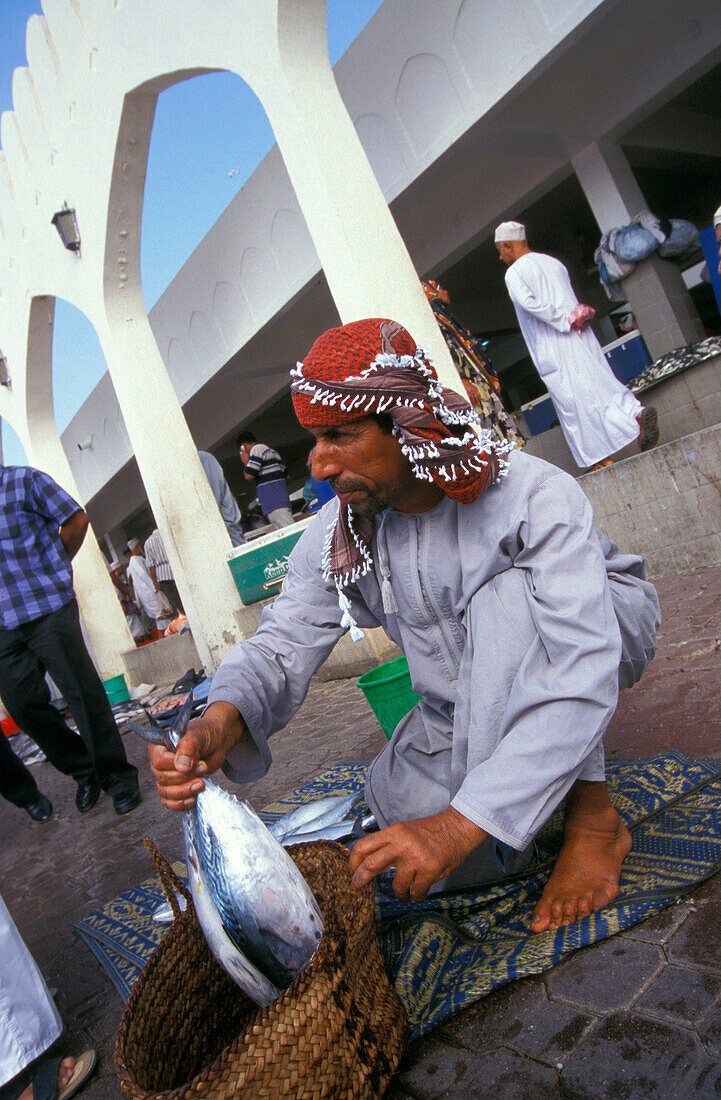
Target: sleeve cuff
[(490, 826), (251, 758)]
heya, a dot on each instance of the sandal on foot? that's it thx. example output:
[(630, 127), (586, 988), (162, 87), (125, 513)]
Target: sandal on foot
[(43, 1076), (84, 1067), (648, 436)]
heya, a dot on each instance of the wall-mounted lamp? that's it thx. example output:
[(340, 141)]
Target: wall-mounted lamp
[(86, 445), (4, 373), (67, 226)]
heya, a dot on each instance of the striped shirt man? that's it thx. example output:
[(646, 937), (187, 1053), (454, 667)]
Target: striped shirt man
[(266, 466), (156, 557)]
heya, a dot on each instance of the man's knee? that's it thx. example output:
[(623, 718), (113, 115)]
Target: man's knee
[(638, 615)]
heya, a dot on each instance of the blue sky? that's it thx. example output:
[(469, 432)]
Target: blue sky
[(209, 135)]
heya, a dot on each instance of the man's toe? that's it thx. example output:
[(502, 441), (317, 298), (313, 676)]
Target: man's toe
[(557, 911), (585, 904), (541, 916), (569, 910)]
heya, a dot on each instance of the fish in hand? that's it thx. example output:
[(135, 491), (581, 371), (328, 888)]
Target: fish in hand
[(255, 909)]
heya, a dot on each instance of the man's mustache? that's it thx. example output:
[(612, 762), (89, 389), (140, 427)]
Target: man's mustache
[(338, 485)]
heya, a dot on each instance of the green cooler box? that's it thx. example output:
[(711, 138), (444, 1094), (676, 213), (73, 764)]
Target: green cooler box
[(258, 567)]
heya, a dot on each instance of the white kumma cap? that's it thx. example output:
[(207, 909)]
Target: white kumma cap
[(717, 217), (510, 231)]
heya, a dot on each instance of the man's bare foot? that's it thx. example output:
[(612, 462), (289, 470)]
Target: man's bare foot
[(588, 868), (601, 465), (65, 1072)]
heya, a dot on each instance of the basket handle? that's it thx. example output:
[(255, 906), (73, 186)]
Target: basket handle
[(169, 880)]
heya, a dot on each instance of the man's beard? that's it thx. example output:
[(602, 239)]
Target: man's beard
[(370, 506)]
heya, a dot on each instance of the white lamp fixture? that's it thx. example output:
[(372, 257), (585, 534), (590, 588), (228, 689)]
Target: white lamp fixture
[(67, 226)]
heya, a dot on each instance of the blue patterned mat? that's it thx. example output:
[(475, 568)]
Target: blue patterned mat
[(447, 952)]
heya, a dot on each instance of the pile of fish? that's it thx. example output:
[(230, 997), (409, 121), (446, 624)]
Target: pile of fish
[(255, 909)]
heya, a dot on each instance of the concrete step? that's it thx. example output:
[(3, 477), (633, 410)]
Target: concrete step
[(664, 504), (686, 403)]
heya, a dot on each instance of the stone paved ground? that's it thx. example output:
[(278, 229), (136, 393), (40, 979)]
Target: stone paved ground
[(636, 1016)]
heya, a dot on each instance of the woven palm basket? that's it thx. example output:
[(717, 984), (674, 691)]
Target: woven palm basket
[(337, 1031)]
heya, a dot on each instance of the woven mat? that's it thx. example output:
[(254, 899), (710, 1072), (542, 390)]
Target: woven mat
[(448, 952)]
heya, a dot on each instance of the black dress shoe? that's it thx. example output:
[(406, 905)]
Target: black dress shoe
[(40, 809), (88, 794), (127, 801)]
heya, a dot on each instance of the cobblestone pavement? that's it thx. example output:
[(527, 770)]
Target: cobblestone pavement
[(636, 1016)]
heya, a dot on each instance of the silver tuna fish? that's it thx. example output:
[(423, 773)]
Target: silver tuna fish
[(324, 820), (312, 817), (256, 910)]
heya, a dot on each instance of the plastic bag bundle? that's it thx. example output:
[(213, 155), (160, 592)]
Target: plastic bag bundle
[(660, 227), (634, 243), (682, 241)]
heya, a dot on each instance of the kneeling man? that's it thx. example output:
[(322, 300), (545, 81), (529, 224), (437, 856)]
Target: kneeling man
[(519, 619)]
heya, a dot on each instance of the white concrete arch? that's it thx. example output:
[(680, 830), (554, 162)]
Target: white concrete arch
[(258, 274), (30, 411), (291, 246), (80, 132), (231, 310), (204, 336), (427, 80), (482, 44)]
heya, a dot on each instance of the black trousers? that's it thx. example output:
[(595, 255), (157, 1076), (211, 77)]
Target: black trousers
[(170, 589), (54, 644), (16, 781)]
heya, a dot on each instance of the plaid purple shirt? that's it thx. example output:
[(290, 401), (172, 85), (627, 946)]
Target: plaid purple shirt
[(36, 576)]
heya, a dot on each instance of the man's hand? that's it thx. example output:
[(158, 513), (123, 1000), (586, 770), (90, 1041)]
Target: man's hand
[(472, 392), (201, 751), (423, 851)]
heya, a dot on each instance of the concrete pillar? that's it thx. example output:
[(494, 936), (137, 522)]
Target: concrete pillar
[(662, 306), (180, 497), (364, 258), (178, 491)]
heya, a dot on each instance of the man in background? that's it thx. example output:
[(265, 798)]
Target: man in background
[(598, 415), (156, 559), (139, 624), (265, 466), (146, 592), (227, 504), (41, 530)]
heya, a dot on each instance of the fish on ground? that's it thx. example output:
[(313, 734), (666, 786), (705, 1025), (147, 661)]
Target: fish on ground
[(314, 816)]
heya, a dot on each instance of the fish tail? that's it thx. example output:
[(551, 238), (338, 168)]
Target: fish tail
[(154, 734)]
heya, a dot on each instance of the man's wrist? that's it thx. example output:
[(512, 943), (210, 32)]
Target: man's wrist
[(228, 721), (468, 835)]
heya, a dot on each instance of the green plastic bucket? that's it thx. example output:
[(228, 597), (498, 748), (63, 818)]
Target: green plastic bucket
[(116, 689), (390, 693)]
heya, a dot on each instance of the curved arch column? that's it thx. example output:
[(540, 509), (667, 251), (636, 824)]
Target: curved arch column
[(103, 620), (183, 505), (180, 497)]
